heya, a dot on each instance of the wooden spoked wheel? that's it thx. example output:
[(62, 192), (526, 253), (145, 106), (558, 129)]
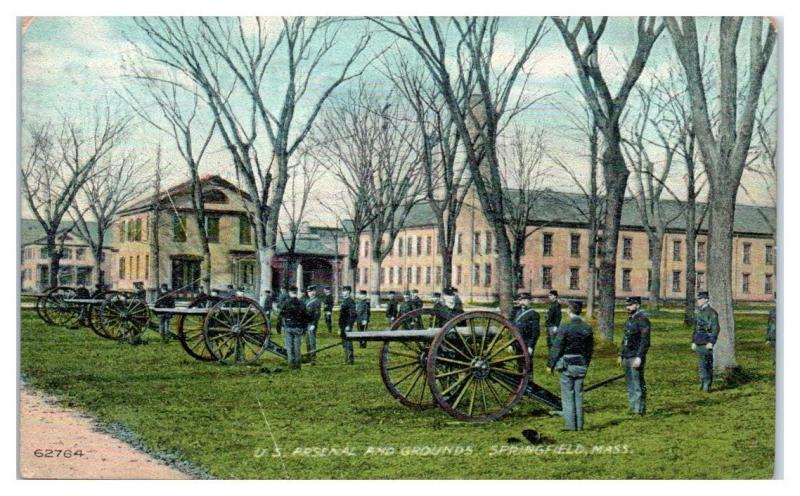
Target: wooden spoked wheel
[(403, 363), (236, 330), (124, 317), (93, 315), (190, 329), (478, 367), (39, 305), (56, 308)]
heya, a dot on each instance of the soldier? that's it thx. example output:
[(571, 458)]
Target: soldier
[(266, 302), (313, 308), (459, 305), (452, 305), (706, 330), (391, 307), (282, 297), (553, 318), (416, 302), (439, 309), (633, 353), (527, 320), (82, 293), (347, 317), (571, 354), (406, 306), (295, 319), (165, 300), (327, 307), (772, 330), (362, 314)]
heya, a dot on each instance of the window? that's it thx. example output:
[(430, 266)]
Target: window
[(80, 253), (399, 247), (626, 279), (408, 275), (399, 275), (745, 283), (67, 253), (130, 267), (476, 243), (438, 275), (45, 252), (458, 243), (487, 275), (419, 274), (768, 284), (137, 266), (476, 274), (428, 245), (676, 250), (746, 253), (147, 266), (520, 276), (701, 281), (391, 275), (575, 245), (138, 229), (676, 281), (649, 279), (245, 230), (419, 245), (428, 274), (122, 231), (769, 255), (458, 275), (212, 229), (650, 248), (574, 281), (178, 228), (627, 248), (547, 244), (410, 246), (83, 275), (366, 275), (488, 243), (366, 248), (547, 277), (701, 251), (383, 274), (122, 268)]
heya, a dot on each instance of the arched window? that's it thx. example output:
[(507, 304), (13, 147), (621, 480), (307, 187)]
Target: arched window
[(214, 196)]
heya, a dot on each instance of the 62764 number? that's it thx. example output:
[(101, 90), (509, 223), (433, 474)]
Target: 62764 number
[(57, 453)]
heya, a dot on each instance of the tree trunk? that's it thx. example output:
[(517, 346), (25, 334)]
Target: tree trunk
[(592, 270), (55, 261), (657, 243), (353, 268), (375, 281), (155, 248), (98, 265), (691, 241), (265, 254), (616, 180), (504, 269), (720, 262)]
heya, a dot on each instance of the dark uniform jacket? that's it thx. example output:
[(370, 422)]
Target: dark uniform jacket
[(313, 307), (706, 326), (513, 311), (416, 302), (294, 314), (362, 310), (347, 314), (327, 302), (527, 320), (772, 326), (459, 306), (573, 338), (553, 318), (391, 309), (81, 293), (444, 313), (405, 307), (636, 340), (165, 301)]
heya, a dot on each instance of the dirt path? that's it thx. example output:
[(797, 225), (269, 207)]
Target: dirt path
[(46, 426)]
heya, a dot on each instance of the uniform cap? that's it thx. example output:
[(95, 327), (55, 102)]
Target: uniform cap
[(702, 295), (633, 300), (576, 306), (437, 294), (449, 291), (346, 288), (312, 288), (362, 292), (523, 296), (554, 292), (415, 291)]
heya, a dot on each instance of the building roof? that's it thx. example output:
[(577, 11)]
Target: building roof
[(307, 244), (179, 189), (33, 233), (561, 208)]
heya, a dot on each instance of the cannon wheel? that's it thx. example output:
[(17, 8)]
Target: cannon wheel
[(190, 329), (475, 375), (55, 309), (93, 316), (124, 317), (39, 306), (403, 363), (236, 330)]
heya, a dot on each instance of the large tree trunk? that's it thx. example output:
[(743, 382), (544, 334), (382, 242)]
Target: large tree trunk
[(691, 241), (155, 248), (616, 180), (98, 265), (720, 262), (592, 268), (657, 243), (504, 270), (265, 254), (375, 281), (55, 261)]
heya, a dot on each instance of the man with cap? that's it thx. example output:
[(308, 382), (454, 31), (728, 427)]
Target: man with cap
[(404, 307), (633, 353), (347, 318), (527, 321), (706, 331), (295, 321), (553, 317), (438, 309), (165, 300), (391, 307), (571, 353), (280, 300), (450, 306), (416, 303), (459, 305), (313, 308), (362, 314), (327, 307), (266, 303)]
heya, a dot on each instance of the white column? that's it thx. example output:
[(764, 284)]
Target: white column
[(299, 277)]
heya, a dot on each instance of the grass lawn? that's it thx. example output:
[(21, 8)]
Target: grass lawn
[(226, 420)]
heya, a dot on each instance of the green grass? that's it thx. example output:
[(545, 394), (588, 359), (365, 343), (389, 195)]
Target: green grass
[(220, 418)]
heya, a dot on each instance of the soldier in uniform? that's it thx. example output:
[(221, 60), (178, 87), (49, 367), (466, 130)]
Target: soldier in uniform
[(553, 318), (327, 307), (282, 297), (295, 321), (527, 320), (82, 293), (165, 300), (416, 302), (266, 303), (459, 305), (313, 309), (633, 353), (391, 307), (347, 318), (439, 309), (362, 314), (706, 330), (406, 306), (570, 355)]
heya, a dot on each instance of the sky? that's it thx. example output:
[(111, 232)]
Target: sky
[(71, 65)]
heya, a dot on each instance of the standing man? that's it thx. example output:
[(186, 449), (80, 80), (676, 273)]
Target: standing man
[(266, 304), (633, 353), (571, 354), (527, 320), (391, 307), (295, 319), (327, 306), (459, 305), (347, 318), (282, 297), (416, 303), (165, 300), (553, 319), (406, 306), (706, 330), (313, 309), (439, 309), (362, 314)]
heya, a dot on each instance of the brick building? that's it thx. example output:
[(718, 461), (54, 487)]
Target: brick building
[(556, 253)]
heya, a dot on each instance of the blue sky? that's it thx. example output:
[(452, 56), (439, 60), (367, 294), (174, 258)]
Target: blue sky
[(71, 64)]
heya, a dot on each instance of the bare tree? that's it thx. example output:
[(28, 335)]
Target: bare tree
[(724, 149), (154, 226), (101, 197), (524, 175), (499, 95), (60, 160), (608, 110), (230, 60)]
